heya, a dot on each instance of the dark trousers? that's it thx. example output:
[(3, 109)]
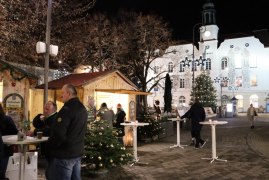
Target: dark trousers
[(197, 135)]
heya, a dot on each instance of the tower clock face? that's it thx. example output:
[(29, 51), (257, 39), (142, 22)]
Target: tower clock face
[(132, 110)]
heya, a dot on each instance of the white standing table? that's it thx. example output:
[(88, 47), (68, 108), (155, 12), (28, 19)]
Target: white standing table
[(213, 135), (134, 125), (23, 146), (178, 132)]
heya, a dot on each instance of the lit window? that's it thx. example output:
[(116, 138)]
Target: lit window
[(238, 81), (182, 100), (237, 61), (253, 80)]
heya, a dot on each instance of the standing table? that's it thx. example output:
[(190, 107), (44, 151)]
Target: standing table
[(12, 140), (178, 132), (134, 125), (213, 135)]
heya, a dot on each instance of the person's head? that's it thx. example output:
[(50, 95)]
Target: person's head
[(119, 106), (251, 105), (157, 102), (50, 108), (68, 92), (103, 105)]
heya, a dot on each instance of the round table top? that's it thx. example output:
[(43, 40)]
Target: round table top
[(13, 140), (134, 123), (214, 122)]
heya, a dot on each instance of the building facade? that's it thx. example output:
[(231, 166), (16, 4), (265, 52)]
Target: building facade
[(238, 65)]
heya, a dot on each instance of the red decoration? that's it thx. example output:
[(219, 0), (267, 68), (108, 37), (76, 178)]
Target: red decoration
[(13, 84)]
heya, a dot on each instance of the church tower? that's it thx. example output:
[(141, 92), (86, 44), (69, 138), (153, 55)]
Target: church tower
[(209, 30)]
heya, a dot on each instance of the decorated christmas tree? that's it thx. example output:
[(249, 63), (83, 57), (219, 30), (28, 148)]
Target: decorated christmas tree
[(204, 91), (103, 150)]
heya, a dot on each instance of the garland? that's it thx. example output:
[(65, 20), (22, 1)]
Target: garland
[(16, 78)]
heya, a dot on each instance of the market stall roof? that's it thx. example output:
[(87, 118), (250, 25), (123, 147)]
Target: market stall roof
[(81, 79), (18, 73), (123, 91)]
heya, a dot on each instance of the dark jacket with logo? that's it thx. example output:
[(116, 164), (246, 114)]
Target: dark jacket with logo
[(68, 131)]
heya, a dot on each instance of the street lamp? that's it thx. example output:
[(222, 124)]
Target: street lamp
[(48, 49)]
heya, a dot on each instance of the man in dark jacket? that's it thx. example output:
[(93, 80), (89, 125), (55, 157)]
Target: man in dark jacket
[(7, 127), (66, 143), (197, 114)]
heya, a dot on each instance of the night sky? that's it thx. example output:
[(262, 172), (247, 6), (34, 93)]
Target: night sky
[(232, 16)]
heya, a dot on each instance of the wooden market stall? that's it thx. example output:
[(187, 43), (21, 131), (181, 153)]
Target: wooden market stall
[(111, 87), (14, 91)]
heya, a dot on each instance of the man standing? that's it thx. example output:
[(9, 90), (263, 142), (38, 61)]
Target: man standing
[(43, 123), (66, 143), (120, 117), (197, 114)]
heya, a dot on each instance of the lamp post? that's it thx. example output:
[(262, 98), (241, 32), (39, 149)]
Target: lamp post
[(223, 83), (47, 55), (47, 49)]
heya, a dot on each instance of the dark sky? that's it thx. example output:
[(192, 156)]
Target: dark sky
[(232, 15)]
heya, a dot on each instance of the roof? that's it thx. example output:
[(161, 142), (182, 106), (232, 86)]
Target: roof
[(22, 73), (81, 79)]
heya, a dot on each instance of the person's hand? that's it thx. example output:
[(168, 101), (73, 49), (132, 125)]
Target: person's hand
[(42, 117)]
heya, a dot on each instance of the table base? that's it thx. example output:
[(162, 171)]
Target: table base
[(178, 145), (217, 159), (139, 162)]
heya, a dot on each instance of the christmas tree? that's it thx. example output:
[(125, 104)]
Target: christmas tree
[(103, 151), (204, 91)]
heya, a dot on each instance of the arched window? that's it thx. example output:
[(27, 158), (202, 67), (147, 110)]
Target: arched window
[(181, 67), (224, 63), (170, 67)]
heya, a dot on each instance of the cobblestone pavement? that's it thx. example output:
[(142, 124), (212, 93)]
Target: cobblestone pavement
[(246, 151)]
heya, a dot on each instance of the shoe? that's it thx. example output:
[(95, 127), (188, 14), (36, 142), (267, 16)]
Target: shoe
[(196, 147), (252, 127), (203, 144)]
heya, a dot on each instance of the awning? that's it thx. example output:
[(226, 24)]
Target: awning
[(123, 91)]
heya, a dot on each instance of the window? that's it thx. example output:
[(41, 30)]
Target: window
[(181, 68), (253, 80), (253, 61), (182, 100), (181, 83), (156, 69), (224, 63), (238, 81), (170, 67), (237, 61), (208, 64)]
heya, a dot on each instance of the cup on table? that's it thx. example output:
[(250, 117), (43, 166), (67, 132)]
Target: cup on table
[(39, 135)]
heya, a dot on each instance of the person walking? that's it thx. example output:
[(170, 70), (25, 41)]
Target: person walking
[(119, 118), (66, 142), (7, 127), (251, 113), (197, 114)]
